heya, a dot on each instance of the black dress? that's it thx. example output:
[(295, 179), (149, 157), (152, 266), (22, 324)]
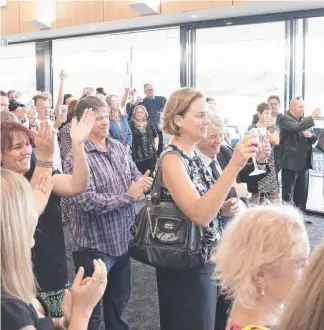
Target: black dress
[(143, 152), (48, 255), (16, 315)]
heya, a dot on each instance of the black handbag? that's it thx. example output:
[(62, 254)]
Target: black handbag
[(163, 236), (320, 141)]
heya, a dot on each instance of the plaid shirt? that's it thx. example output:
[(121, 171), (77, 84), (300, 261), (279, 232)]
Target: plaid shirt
[(101, 217)]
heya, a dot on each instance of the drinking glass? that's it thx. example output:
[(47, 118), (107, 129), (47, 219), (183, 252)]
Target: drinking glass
[(262, 133), (257, 171)]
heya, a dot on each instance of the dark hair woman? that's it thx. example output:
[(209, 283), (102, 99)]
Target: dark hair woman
[(145, 140)]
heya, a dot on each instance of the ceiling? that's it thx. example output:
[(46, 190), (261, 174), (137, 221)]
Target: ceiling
[(258, 7)]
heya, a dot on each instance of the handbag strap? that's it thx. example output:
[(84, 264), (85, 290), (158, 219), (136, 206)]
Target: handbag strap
[(156, 186)]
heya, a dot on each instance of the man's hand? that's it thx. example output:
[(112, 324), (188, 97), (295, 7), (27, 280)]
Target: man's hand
[(307, 134), (264, 151), (147, 181), (81, 130), (316, 113), (230, 207), (136, 189)]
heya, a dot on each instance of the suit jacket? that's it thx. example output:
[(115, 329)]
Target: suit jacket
[(225, 155), (295, 149)]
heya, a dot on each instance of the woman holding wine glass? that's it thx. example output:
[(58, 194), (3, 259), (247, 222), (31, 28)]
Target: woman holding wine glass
[(265, 128)]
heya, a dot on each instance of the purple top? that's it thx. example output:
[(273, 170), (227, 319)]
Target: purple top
[(100, 218)]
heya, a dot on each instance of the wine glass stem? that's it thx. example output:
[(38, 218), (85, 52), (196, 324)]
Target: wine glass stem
[(255, 163)]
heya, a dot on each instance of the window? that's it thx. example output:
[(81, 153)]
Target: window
[(240, 66), (18, 69), (314, 97), (118, 61), (314, 67)]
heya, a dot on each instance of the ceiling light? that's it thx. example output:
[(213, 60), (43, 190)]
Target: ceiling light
[(40, 25), (94, 28), (23, 37), (145, 8), (228, 23), (194, 16)]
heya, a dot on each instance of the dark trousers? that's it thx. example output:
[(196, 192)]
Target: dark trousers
[(161, 144), (222, 310), (118, 289), (147, 165), (295, 187), (187, 299)]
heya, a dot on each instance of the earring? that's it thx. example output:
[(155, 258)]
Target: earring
[(262, 292)]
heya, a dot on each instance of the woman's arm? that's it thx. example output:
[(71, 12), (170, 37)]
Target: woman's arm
[(156, 143), (60, 96), (202, 209), (72, 185), (125, 97), (78, 182)]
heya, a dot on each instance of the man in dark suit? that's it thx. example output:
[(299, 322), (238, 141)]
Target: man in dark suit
[(216, 157), (296, 153), (154, 106)]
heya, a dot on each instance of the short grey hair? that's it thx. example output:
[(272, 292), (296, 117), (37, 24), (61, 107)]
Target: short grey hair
[(216, 120)]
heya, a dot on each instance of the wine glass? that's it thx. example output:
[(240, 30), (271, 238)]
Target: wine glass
[(262, 133), (257, 171)]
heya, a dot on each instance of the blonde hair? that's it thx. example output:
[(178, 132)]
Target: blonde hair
[(178, 104), (17, 208), (306, 305), (256, 241), (108, 101)]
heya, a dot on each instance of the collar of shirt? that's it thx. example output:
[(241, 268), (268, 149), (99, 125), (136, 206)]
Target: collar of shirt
[(207, 160), (90, 146)]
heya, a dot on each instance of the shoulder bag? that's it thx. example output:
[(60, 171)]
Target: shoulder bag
[(163, 236)]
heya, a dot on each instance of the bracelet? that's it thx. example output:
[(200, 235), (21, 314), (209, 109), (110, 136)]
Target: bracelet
[(44, 164), (265, 163)]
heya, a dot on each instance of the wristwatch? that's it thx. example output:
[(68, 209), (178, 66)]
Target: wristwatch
[(265, 163), (44, 164)]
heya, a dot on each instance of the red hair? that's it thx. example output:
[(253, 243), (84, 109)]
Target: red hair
[(11, 129)]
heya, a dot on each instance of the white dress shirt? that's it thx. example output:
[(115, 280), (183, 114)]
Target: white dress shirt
[(207, 161)]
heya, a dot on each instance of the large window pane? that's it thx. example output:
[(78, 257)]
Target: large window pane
[(240, 66), (18, 69), (114, 61), (314, 95)]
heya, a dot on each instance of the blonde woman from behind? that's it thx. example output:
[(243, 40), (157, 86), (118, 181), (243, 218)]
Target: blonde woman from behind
[(259, 259), (305, 307), (20, 310)]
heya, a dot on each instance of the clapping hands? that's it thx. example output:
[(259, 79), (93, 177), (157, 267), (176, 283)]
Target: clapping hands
[(81, 130)]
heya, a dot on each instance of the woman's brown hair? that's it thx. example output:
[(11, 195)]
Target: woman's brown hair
[(9, 129), (305, 307), (263, 106), (71, 111), (178, 104)]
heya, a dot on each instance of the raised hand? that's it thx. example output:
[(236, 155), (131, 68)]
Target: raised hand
[(230, 207), (244, 150), (87, 292), (316, 113), (45, 141), (81, 130), (41, 191)]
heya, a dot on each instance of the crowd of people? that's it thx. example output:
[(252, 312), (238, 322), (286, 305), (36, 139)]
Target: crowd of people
[(70, 179)]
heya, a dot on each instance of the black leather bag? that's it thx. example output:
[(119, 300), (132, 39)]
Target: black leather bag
[(163, 236), (320, 141)]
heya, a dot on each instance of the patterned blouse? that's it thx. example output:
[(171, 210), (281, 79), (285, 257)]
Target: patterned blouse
[(203, 181)]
